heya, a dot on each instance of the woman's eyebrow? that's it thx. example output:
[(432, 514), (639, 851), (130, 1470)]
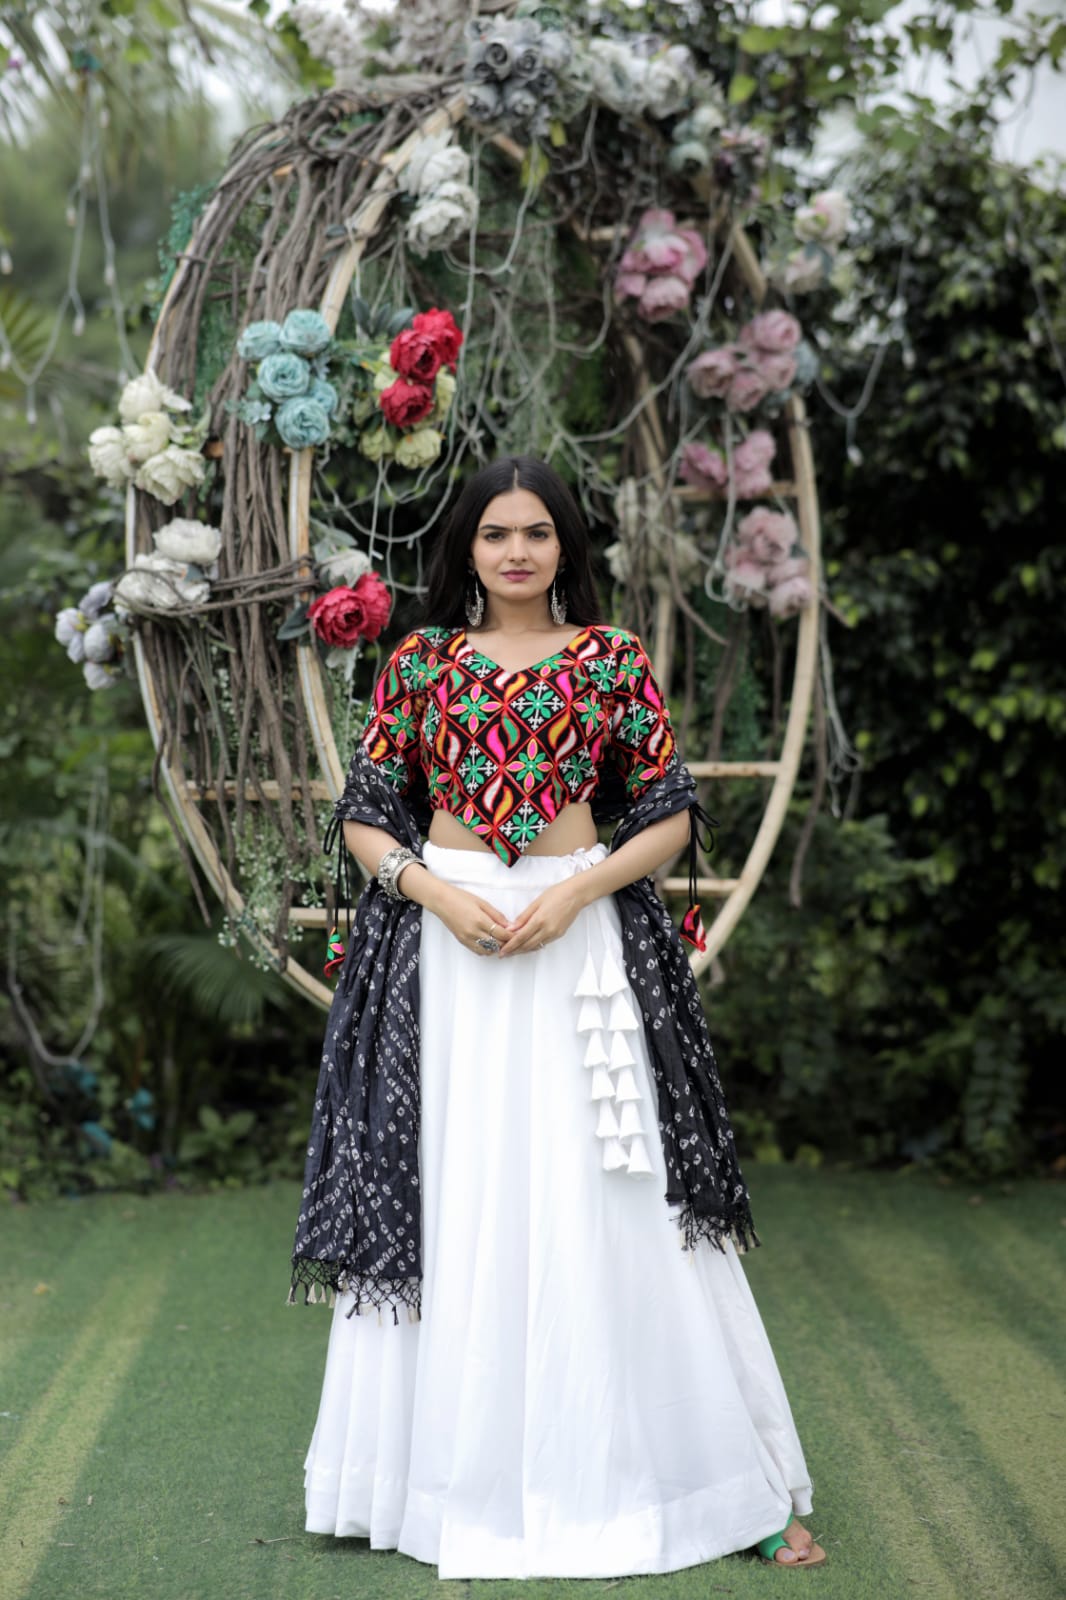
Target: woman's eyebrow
[(500, 527)]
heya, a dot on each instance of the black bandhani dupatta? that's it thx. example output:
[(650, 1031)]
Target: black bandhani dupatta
[(359, 1226)]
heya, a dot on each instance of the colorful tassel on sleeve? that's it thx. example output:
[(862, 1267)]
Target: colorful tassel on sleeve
[(692, 928), (334, 954)]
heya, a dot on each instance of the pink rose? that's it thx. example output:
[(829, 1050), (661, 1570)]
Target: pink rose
[(769, 535), (343, 616), (630, 283), (782, 571), (791, 596), (751, 464), (746, 580), (711, 373), (695, 257), (659, 248), (776, 332), (776, 371), (662, 298), (746, 390), (703, 467)]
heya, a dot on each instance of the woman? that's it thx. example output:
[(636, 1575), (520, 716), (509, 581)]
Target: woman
[(516, 1071)]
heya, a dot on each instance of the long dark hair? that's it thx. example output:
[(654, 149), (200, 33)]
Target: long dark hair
[(448, 572)]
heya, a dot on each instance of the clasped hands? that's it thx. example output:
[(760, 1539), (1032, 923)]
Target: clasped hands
[(546, 918)]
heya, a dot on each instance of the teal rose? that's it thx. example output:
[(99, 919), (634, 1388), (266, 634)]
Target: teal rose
[(259, 340), (307, 333), (323, 394), (284, 375), (302, 422)]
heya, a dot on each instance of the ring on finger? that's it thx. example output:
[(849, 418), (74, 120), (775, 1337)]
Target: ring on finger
[(488, 943)]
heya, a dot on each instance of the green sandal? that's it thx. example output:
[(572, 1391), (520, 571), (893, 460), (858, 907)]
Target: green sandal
[(775, 1541)]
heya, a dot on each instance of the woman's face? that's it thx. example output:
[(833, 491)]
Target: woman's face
[(515, 550)]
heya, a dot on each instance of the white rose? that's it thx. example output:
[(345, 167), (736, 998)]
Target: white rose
[(826, 219), (71, 627), (441, 219), (101, 639), (803, 271), (157, 582), (169, 474), (435, 161), (101, 674), (146, 393), (668, 81), (186, 540), (616, 75), (108, 458), (343, 567), (148, 436)]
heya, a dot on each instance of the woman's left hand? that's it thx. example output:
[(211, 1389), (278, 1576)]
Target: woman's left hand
[(545, 918)]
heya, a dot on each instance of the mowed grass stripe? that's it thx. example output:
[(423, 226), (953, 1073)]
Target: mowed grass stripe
[(971, 1383), (54, 1441), (1029, 1274), (854, 1418)]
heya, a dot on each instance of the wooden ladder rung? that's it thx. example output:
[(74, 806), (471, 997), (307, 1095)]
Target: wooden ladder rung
[(786, 489), (270, 787), (719, 887), (734, 769), (309, 916)]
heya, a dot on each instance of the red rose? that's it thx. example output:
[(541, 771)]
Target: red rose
[(414, 353), (406, 403), (343, 616), (440, 328)]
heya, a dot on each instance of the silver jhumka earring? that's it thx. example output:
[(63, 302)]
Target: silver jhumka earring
[(475, 607), (557, 605)]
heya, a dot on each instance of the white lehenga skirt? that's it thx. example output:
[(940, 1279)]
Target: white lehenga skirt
[(582, 1398)]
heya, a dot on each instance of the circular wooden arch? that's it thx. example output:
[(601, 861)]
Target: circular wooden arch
[(733, 894)]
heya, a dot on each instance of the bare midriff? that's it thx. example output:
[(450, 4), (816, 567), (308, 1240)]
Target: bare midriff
[(573, 829)]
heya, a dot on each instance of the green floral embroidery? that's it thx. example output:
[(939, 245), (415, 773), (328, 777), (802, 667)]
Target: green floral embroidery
[(636, 725), (537, 704), (475, 707), (530, 765), (590, 714), (401, 723), (395, 771), (414, 671), (629, 674), (602, 672), (475, 769), (437, 783), (522, 828), (576, 770)]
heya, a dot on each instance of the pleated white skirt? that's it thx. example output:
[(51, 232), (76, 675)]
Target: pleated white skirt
[(582, 1398)]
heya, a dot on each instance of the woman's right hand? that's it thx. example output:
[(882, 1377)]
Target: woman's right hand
[(469, 918)]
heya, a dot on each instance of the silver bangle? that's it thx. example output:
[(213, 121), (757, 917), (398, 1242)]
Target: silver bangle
[(390, 866)]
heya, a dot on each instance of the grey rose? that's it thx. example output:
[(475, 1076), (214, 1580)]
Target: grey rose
[(500, 56), (527, 61), (482, 101), (519, 102)]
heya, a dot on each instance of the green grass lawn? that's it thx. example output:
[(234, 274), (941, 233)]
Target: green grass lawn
[(157, 1398)]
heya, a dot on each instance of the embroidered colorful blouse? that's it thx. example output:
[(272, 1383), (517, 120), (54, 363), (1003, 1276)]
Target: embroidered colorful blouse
[(506, 751)]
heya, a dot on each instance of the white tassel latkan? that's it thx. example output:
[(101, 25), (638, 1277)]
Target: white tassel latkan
[(605, 1016)]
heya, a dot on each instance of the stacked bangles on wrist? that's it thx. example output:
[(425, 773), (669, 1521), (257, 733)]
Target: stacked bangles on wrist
[(390, 866)]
